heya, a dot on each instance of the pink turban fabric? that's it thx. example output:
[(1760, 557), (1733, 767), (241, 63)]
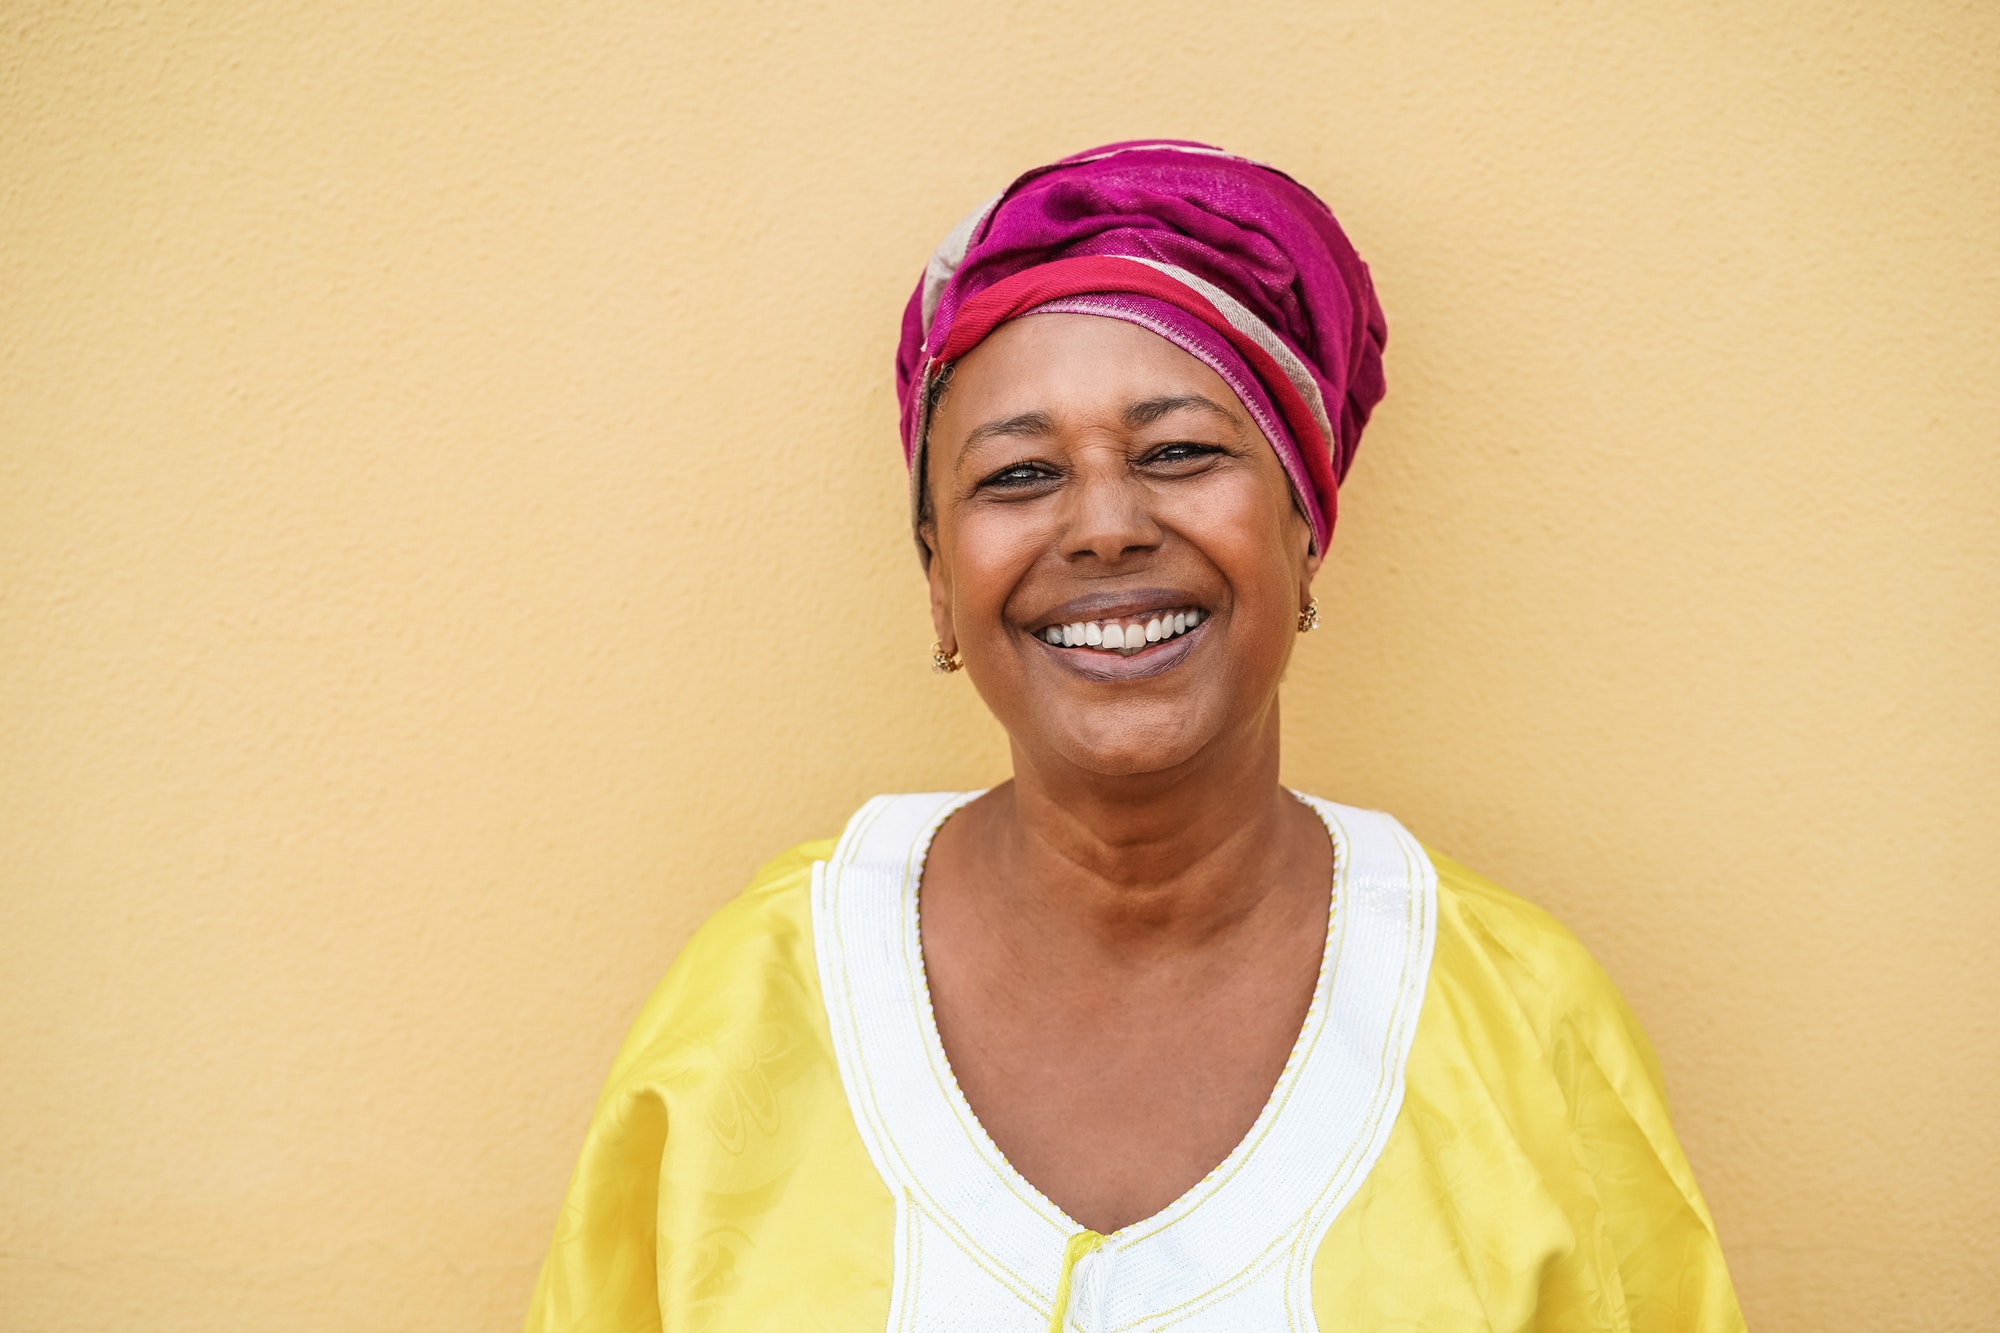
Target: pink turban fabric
[(1234, 262)]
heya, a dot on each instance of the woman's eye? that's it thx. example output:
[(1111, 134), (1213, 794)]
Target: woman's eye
[(1182, 451), (1017, 476)]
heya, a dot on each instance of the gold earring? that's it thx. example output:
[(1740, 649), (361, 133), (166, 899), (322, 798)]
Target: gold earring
[(1309, 618), (942, 662)]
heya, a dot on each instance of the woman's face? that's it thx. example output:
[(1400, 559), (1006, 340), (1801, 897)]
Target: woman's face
[(1086, 472)]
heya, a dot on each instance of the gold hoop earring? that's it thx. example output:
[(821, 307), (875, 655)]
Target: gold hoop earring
[(1309, 618), (942, 662)]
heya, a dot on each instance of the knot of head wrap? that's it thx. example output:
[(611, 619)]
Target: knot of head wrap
[(1232, 261)]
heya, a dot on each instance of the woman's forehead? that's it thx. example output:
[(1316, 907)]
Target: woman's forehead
[(1075, 364)]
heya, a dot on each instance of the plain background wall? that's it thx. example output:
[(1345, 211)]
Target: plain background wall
[(451, 529)]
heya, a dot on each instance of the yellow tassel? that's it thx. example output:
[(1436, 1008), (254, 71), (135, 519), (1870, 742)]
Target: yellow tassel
[(1082, 1243)]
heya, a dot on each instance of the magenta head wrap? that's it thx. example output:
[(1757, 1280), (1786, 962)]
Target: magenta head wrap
[(1235, 263)]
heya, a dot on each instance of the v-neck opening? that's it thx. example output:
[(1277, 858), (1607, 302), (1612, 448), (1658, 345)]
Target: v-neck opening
[(1188, 1200), (978, 1245)]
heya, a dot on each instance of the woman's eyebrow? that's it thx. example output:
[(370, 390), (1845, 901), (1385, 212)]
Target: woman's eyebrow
[(1147, 411), (1027, 424)]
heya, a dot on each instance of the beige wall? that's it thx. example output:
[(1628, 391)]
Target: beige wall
[(451, 529)]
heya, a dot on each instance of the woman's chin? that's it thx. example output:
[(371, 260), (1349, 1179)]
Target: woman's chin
[(1131, 743)]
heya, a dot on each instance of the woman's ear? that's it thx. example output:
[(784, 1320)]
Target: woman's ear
[(1311, 557), (934, 571)]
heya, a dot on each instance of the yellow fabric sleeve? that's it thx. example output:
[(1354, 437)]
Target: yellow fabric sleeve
[(722, 1179), (1532, 1179)]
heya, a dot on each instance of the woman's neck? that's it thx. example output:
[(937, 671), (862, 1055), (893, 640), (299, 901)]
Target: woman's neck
[(1119, 968), (1154, 863)]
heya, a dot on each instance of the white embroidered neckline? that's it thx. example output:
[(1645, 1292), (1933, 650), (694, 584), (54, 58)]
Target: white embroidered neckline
[(978, 1246), (1192, 1197)]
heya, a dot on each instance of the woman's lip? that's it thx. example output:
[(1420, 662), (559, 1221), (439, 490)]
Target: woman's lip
[(1128, 605), (1153, 659)]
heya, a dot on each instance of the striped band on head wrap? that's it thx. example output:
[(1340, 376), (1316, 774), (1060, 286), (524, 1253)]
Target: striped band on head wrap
[(1232, 261)]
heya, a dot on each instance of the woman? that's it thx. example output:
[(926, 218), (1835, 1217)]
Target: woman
[(1139, 1039)]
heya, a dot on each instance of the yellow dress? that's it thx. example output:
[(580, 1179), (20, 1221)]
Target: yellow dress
[(1470, 1134)]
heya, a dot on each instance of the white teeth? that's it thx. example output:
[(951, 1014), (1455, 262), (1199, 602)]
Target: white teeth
[(1121, 636)]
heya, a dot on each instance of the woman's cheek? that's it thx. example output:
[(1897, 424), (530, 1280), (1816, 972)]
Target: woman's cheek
[(1228, 523), (1003, 542)]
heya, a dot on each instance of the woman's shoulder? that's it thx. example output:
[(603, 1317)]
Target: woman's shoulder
[(1515, 931), (777, 900), (770, 919), (1504, 961), (747, 969)]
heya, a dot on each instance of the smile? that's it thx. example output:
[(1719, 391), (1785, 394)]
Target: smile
[(1123, 635)]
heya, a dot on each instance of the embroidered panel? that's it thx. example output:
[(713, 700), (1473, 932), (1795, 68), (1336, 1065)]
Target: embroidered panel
[(978, 1247)]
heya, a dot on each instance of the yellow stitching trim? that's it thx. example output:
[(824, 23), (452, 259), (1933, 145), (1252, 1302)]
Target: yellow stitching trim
[(1082, 1243)]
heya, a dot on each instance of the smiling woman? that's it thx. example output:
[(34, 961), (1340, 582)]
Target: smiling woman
[(1139, 1038)]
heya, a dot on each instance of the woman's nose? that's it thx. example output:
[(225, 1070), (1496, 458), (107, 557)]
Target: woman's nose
[(1110, 516)]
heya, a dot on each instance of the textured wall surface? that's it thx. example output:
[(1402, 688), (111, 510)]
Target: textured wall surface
[(451, 529)]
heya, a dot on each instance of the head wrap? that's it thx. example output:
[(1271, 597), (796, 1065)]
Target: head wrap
[(1234, 262)]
